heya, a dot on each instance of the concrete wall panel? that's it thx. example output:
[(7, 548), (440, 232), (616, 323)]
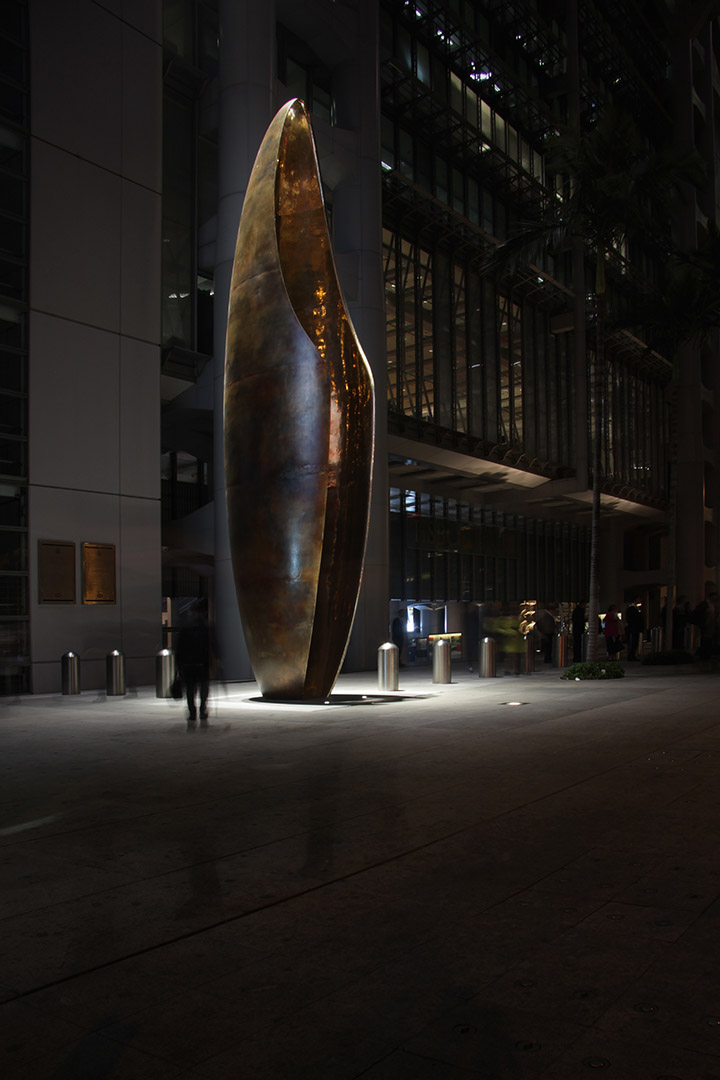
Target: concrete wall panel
[(139, 419), (142, 108), (132, 624), (73, 406), (140, 262), (75, 238), (140, 579), (89, 630), (77, 79)]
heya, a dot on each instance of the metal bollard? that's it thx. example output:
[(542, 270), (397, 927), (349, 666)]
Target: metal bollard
[(656, 639), (115, 673), (388, 664), (70, 673), (560, 644), (691, 637), (487, 658), (164, 673), (529, 654), (441, 661)]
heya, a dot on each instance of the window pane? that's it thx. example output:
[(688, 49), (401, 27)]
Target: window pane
[(13, 415), (387, 132), (13, 457), (391, 319), (13, 639), (12, 371), (460, 350), (13, 550), (12, 150), (13, 505), (12, 326), (408, 338), (427, 409), (499, 134), (423, 63), (13, 595), (406, 153)]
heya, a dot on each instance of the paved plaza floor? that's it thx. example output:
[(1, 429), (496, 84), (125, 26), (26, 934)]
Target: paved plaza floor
[(500, 879)]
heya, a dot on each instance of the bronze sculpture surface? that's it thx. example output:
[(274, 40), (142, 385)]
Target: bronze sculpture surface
[(299, 425)]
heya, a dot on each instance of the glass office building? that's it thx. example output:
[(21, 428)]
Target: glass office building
[(128, 135)]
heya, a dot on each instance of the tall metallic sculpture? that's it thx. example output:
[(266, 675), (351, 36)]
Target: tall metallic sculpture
[(299, 425)]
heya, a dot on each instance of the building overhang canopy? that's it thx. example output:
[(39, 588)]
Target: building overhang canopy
[(503, 485)]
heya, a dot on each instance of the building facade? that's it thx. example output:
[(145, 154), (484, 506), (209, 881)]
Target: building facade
[(129, 130)]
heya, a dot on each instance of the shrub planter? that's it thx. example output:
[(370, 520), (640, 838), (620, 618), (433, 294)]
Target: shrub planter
[(586, 670)]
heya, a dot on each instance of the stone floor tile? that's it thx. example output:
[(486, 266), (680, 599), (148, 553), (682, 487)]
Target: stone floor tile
[(595, 1054), (26, 1030), (305, 887), (490, 1040), (573, 977), (401, 1065), (313, 1044), (629, 921), (92, 1057), (185, 1029), (690, 881)]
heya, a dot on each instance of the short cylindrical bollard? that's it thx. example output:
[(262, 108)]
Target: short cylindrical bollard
[(441, 661), (388, 664), (560, 650), (70, 673), (656, 639), (164, 673), (487, 658), (691, 637), (529, 654), (115, 673)]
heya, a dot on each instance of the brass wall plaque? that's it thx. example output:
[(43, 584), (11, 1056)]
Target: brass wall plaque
[(56, 572), (98, 567)]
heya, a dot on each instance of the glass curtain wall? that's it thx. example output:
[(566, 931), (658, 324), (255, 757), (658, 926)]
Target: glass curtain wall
[(461, 357), (190, 35), (635, 429), (14, 183), (443, 550)]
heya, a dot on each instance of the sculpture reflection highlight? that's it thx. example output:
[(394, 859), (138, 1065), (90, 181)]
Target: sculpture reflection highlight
[(299, 425)]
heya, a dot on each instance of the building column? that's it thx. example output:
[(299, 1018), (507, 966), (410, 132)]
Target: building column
[(245, 104), (357, 237), (690, 570)]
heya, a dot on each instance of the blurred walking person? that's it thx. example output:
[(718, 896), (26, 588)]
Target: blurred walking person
[(195, 653)]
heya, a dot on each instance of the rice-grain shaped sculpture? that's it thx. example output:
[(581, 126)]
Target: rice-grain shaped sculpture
[(299, 425)]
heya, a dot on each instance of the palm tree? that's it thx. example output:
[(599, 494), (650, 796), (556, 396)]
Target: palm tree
[(611, 188)]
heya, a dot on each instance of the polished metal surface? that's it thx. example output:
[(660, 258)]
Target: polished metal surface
[(165, 671), (441, 668), (115, 684), (487, 658), (299, 425), (70, 673), (388, 664)]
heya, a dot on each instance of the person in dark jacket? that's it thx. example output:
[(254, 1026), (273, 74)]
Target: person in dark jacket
[(611, 630), (545, 623), (682, 617), (705, 616), (195, 654), (634, 626)]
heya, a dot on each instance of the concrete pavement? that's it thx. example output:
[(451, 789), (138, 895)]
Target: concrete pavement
[(435, 883)]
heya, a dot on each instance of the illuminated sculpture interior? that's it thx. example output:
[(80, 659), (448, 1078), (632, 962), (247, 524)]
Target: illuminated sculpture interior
[(299, 425)]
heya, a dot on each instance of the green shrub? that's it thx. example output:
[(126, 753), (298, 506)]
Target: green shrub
[(586, 670), (671, 656)]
